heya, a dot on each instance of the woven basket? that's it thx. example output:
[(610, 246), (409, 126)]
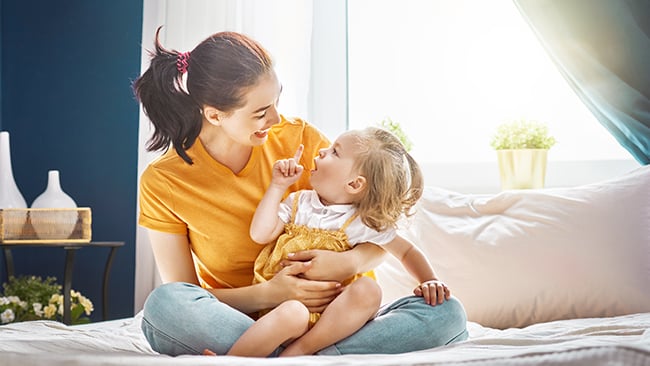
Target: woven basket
[(45, 225)]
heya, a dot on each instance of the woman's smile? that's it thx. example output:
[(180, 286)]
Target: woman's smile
[(262, 133)]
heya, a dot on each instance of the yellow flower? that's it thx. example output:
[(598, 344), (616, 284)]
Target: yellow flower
[(87, 304), (49, 311), (56, 299)]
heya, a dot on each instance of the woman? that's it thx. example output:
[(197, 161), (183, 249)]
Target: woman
[(198, 199)]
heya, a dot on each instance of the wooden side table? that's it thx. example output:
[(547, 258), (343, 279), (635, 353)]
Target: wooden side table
[(70, 249)]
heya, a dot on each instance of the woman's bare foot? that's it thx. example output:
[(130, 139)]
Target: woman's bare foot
[(207, 352)]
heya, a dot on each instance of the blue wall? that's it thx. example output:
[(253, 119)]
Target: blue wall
[(67, 69)]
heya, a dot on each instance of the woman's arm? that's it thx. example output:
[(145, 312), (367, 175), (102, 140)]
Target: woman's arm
[(338, 266), (285, 285), (173, 257), (175, 264)]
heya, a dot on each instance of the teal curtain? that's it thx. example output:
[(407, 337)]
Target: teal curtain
[(602, 48)]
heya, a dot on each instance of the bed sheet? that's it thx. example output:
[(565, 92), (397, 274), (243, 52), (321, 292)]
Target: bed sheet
[(623, 340)]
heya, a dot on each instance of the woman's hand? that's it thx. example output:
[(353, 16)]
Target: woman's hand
[(327, 265), (288, 284), (433, 291)]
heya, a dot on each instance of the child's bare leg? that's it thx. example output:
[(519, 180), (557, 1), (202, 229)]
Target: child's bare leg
[(287, 321), (357, 304)]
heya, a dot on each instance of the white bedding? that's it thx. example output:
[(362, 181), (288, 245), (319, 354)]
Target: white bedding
[(559, 276), (623, 340)]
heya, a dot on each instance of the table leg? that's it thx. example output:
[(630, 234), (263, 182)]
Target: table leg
[(67, 284), (107, 270), (9, 263)]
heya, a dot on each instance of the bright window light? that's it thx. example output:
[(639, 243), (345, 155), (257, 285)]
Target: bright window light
[(450, 71)]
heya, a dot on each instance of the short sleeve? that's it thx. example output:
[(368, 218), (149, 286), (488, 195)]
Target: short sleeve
[(156, 203), (357, 233), (284, 211)]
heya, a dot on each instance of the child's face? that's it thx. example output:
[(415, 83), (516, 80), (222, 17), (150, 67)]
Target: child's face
[(334, 170)]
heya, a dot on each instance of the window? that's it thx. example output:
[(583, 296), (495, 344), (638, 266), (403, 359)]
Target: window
[(450, 71)]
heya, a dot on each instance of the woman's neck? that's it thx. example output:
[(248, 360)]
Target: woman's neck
[(232, 155)]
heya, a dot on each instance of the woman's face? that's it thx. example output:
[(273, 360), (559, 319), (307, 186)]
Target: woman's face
[(250, 124), (334, 170)]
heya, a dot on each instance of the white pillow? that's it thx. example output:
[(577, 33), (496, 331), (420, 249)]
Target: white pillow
[(528, 256)]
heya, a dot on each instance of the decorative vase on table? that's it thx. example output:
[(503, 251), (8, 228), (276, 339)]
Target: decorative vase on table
[(10, 196), (57, 223)]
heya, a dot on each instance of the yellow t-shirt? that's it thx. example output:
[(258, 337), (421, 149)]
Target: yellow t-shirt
[(214, 206)]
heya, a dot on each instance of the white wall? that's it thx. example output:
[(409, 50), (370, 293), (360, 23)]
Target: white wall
[(483, 177)]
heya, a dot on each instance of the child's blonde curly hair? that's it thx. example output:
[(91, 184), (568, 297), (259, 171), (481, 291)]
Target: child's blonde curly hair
[(394, 179)]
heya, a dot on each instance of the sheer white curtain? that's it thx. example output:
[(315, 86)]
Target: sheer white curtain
[(286, 29)]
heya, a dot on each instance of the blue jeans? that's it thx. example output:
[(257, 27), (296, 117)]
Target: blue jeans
[(181, 318)]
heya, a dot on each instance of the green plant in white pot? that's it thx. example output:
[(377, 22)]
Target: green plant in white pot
[(522, 151)]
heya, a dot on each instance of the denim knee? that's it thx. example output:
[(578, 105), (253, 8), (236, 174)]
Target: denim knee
[(444, 323), (181, 318), (162, 315), (456, 320), (406, 325)]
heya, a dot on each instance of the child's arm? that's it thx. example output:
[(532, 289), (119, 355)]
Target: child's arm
[(266, 225), (415, 262)]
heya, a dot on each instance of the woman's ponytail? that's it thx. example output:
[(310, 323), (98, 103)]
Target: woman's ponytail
[(175, 116)]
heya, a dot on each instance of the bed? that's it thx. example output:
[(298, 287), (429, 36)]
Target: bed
[(547, 277)]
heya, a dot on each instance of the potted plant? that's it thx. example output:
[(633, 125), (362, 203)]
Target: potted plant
[(34, 298), (522, 151)]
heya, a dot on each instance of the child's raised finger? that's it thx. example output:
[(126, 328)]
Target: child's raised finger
[(298, 153)]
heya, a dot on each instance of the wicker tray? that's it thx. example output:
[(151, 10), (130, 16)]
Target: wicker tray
[(45, 225)]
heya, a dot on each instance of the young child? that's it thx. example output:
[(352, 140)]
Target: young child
[(362, 185)]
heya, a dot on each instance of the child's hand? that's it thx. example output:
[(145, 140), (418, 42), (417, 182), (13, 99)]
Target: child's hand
[(288, 171), (433, 291)]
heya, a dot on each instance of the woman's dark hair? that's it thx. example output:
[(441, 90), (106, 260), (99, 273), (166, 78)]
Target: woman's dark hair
[(219, 72)]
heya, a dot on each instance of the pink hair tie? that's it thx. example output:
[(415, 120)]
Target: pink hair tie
[(182, 62)]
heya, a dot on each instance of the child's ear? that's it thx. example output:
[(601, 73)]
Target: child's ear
[(356, 185), (212, 115)]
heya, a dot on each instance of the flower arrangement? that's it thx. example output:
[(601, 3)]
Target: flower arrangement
[(33, 298), (522, 134)]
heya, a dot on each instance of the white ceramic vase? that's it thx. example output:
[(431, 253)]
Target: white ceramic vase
[(55, 224), (10, 196)]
